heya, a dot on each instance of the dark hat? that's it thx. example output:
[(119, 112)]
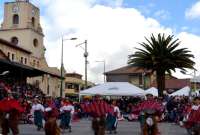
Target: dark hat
[(149, 94)]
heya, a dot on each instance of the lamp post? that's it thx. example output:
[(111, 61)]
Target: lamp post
[(85, 56), (104, 69), (62, 66)]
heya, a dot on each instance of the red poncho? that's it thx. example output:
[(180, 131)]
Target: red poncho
[(7, 105), (96, 108), (194, 116), (148, 104)]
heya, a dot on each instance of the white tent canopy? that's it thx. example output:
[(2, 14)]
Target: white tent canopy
[(182, 92), (114, 89), (152, 91)]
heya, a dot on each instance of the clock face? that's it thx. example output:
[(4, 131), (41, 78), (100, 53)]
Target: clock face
[(15, 9)]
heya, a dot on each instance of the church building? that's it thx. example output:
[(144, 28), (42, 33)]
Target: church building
[(21, 43)]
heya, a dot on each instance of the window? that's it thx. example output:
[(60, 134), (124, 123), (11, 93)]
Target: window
[(15, 19), (13, 57), (14, 40), (37, 83), (9, 55), (35, 42), (22, 59), (25, 60), (33, 62), (69, 86), (33, 21), (37, 63)]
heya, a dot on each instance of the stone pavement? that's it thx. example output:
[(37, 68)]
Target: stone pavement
[(125, 128)]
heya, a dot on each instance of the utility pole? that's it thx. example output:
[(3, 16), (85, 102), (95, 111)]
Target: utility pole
[(86, 62)]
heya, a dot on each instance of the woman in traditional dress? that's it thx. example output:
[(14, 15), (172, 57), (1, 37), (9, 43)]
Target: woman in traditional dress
[(193, 120), (112, 117), (51, 127), (67, 111), (37, 110)]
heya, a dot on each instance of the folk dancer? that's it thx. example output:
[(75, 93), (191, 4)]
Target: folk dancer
[(67, 111), (51, 127), (11, 109), (149, 110), (98, 110), (49, 103), (193, 119), (38, 112), (112, 117)]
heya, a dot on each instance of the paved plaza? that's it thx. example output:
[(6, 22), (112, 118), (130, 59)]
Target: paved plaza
[(125, 128)]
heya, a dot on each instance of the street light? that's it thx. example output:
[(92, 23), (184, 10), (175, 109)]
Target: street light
[(85, 56), (61, 87), (104, 69)]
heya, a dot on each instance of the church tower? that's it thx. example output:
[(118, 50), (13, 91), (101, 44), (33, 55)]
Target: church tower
[(21, 26)]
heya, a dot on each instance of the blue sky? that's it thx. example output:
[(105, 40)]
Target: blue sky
[(113, 28), (170, 13)]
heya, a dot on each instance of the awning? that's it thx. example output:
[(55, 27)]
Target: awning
[(18, 69), (114, 89)]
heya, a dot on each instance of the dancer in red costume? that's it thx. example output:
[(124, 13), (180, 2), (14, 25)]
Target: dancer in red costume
[(97, 110), (149, 110), (11, 110), (193, 119), (51, 127)]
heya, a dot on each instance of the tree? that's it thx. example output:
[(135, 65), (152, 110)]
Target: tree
[(162, 54)]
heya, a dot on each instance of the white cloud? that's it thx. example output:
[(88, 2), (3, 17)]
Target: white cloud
[(191, 42), (112, 33), (194, 11)]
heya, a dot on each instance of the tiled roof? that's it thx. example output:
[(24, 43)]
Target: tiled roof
[(174, 83), (127, 70)]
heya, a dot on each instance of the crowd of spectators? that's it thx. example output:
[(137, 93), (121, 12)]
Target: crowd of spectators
[(174, 111)]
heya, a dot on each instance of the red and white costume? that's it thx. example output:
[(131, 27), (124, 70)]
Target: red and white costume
[(193, 116)]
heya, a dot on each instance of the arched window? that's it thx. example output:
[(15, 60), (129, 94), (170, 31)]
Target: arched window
[(15, 19), (33, 21), (14, 40), (35, 42)]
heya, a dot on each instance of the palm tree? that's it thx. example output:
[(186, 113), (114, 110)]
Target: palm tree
[(162, 54)]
